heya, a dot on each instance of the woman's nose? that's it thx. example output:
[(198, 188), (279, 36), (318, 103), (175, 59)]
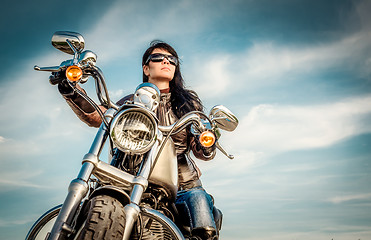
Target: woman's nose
[(165, 61)]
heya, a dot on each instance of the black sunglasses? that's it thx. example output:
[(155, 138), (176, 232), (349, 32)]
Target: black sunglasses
[(159, 57)]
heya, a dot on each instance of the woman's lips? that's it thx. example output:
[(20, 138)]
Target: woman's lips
[(165, 68)]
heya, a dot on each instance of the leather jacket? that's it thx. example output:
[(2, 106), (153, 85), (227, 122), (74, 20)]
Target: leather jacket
[(188, 172)]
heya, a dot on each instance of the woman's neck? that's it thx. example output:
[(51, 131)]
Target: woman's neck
[(161, 84), (167, 90)]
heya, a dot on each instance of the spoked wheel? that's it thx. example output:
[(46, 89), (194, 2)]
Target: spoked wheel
[(43, 225)]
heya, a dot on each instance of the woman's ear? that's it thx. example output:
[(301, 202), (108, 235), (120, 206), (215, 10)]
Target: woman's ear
[(146, 70)]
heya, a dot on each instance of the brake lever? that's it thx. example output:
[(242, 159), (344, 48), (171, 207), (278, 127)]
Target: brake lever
[(218, 146), (47, 69)]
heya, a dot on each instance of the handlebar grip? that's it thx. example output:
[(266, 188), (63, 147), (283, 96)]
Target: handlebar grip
[(56, 78)]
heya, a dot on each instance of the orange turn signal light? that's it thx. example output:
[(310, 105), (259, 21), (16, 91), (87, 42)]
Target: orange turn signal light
[(207, 139), (73, 73)]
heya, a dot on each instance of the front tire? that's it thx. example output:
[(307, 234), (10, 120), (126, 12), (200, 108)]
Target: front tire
[(105, 220)]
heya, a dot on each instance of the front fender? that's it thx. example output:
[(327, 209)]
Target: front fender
[(112, 191)]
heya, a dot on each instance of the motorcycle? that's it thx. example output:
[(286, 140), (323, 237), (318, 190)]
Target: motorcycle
[(132, 195)]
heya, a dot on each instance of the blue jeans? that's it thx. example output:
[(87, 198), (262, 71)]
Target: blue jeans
[(200, 206)]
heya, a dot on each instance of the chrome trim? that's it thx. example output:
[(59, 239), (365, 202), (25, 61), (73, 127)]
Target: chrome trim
[(109, 174), (68, 42), (112, 175), (192, 117), (165, 220), (87, 57), (148, 95), (99, 140), (86, 171), (100, 83), (131, 213), (76, 191), (230, 156), (47, 69), (223, 118), (64, 64)]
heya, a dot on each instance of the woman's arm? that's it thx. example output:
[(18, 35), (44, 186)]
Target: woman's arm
[(82, 108)]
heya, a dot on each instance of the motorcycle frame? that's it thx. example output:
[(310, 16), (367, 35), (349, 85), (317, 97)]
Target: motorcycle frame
[(91, 165)]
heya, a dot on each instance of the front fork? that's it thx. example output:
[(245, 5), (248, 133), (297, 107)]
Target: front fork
[(78, 187), (77, 190), (132, 210)]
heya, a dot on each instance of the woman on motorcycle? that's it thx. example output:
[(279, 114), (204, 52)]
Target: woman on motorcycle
[(160, 64)]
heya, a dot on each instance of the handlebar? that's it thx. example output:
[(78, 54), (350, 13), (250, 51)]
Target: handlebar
[(183, 122), (100, 85), (199, 125), (47, 69)]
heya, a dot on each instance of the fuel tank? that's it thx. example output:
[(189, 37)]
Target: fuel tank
[(165, 172)]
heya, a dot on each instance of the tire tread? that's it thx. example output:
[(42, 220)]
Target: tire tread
[(106, 219)]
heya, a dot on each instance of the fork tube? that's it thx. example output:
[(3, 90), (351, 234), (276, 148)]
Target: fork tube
[(132, 210), (78, 189), (99, 140)]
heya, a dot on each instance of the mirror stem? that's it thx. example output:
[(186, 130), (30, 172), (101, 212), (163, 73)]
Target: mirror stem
[(76, 53)]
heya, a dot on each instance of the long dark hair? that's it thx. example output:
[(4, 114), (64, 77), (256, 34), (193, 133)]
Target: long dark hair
[(182, 100)]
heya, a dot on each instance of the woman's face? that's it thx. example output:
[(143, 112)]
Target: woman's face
[(160, 73)]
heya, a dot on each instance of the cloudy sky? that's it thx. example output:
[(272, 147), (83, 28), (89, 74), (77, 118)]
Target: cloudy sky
[(296, 73)]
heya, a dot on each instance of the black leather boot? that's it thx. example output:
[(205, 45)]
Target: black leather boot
[(204, 233)]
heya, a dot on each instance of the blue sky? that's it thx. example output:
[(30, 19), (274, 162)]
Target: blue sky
[(296, 73)]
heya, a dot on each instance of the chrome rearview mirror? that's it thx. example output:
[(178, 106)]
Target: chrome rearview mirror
[(68, 42), (223, 118)]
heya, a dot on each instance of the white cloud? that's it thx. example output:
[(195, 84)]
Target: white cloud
[(346, 198), (267, 63), (8, 223), (116, 94), (6, 183), (278, 128), (20, 178), (214, 77), (130, 32)]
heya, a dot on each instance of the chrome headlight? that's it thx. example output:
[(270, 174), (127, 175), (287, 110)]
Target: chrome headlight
[(134, 130)]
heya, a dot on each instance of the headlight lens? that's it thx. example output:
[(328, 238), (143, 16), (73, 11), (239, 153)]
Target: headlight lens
[(133, 131)]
